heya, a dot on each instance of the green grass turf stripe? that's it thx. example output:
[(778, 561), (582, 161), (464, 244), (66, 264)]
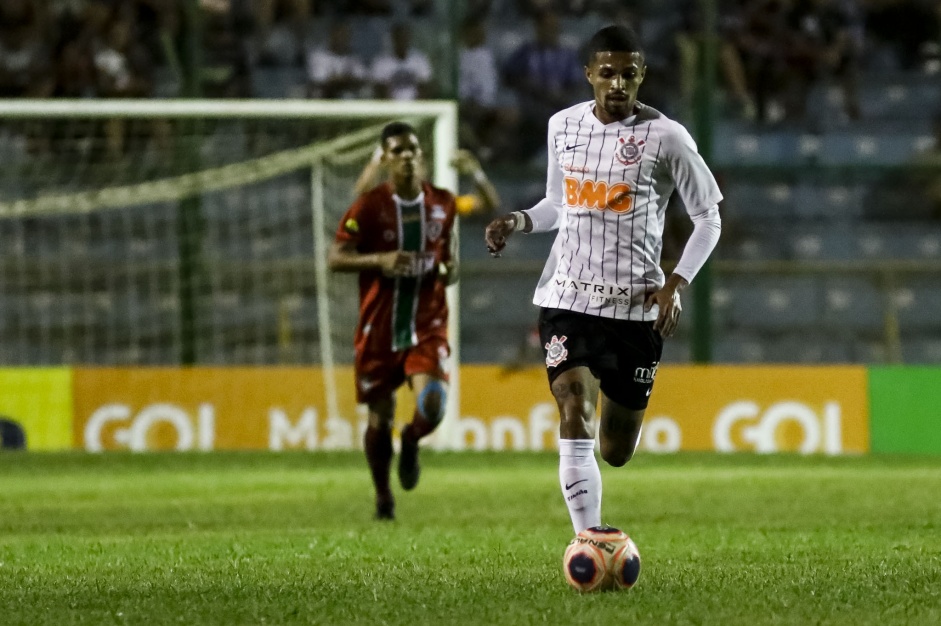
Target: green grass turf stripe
[(263, 538)]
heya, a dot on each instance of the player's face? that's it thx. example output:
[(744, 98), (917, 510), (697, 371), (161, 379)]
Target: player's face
[(615, 78), (402, 156)]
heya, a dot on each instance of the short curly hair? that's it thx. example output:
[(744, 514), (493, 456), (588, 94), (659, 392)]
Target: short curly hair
[(394, 129), (615, 38)]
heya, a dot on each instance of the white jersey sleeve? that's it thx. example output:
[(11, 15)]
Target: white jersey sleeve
[(547, 214), (695, 184), (706, 229)]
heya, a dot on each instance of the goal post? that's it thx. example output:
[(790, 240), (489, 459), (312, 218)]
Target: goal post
[(93, 195)]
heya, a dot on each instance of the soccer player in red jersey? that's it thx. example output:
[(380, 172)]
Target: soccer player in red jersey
[(398, 237)]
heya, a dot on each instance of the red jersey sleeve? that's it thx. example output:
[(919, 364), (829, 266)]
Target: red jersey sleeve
[(351, 225), (451, 209)]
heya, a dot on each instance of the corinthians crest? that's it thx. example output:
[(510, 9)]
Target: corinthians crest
[(629, 152), (556, 351)]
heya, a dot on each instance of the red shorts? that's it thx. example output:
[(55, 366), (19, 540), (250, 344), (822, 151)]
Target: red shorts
[(379, 374)]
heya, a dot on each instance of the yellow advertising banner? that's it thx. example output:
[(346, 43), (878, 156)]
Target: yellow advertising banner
[(725, 408), (212, 409), (760, 409), (39, 401)]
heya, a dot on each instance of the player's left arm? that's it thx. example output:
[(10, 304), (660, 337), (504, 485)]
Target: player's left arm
[(485, 199), (369, 177), (700, 194), (546, 215), (448, 269)]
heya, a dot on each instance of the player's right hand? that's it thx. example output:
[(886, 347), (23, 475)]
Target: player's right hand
[(496, 233), (397, 263)]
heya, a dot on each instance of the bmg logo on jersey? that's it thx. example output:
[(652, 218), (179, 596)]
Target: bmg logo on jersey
[(596, 194)]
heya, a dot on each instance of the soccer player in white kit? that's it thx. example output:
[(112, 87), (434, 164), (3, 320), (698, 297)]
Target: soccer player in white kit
[(605, 303)]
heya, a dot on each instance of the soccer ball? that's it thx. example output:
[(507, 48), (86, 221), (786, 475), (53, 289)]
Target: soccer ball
[(601, 558)]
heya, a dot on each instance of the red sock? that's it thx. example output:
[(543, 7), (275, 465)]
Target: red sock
[(378, 444), (418, 428)]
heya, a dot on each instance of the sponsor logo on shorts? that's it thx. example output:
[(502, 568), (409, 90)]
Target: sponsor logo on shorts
[(556, 351), (646, 375)]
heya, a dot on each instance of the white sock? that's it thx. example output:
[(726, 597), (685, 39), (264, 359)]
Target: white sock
[(580, 480)]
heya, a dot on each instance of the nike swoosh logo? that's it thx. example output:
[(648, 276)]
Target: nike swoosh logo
[(648, 392), (578, 145), (567, 486)]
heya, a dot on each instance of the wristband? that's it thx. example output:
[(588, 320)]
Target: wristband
[(519, 220)]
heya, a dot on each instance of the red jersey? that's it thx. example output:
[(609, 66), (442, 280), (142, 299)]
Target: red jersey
[(398, 313)]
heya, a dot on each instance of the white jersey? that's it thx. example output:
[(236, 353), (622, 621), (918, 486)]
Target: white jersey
[(607, 191)]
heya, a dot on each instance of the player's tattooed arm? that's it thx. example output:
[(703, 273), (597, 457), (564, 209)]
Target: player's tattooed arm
[(501, 228)]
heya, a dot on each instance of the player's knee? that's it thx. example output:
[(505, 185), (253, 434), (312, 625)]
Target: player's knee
[(432, 401), (576, 410), (577, 422), (617, 452), (616, 456), (382, 414)]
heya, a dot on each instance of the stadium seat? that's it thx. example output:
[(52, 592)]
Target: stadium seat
[(738, 347), (750, 246), (821, 201), (922, 349), (845, 148), (759, 201), (853, 303), (756, 148), (822, 242), (898, 95), (776, 303), (722, 302), (918, 303), (808, 347)]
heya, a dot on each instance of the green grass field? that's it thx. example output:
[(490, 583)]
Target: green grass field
[(289, 539)]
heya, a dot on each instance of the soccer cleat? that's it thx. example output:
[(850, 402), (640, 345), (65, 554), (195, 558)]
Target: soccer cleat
[(409, 469), (385, 509)]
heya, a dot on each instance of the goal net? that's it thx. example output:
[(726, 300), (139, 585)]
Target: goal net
[(187, 232)]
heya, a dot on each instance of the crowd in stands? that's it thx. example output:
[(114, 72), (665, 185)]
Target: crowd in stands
[(516, 61)]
